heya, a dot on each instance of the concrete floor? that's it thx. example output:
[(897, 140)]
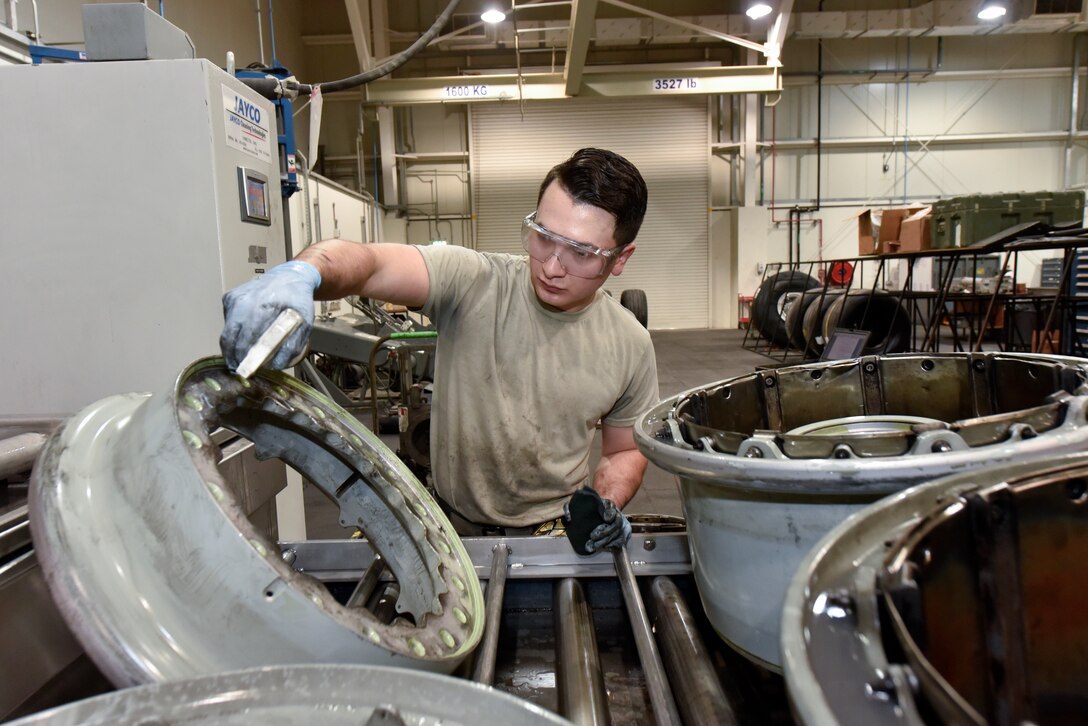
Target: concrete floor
[(689, 359), (685, 359)]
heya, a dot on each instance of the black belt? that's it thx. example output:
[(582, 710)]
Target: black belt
[(489, 530)]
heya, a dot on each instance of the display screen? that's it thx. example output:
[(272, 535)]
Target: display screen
[(257, 197), (845, 344), (253, 199)]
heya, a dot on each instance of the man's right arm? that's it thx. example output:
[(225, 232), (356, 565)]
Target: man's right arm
[(325, 271), (391, 272)]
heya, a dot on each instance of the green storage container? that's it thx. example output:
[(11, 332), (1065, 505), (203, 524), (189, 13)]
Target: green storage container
[(962, 221)]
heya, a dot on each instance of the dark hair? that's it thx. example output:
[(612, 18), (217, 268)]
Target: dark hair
[(608, 181)]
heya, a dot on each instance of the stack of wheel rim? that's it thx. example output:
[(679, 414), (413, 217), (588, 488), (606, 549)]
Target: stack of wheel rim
[(794, 310)]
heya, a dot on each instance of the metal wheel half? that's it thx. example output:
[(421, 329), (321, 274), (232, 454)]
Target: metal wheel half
[(161, 576)]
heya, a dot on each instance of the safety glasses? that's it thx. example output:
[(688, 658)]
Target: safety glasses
[(577, 258)]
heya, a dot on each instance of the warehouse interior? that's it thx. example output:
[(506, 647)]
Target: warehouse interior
[(844, 371)]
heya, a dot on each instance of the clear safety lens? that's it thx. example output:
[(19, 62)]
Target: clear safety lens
[(577, 258)]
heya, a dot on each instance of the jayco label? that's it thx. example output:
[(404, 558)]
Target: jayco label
[(248, 126)]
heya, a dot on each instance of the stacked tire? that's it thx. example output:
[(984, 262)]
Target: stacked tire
[(635, 301), (772, 303), (875, 311), (793, 310)]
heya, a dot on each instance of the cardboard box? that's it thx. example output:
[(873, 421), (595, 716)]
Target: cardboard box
[(866, 233), (1046, 342), (914, 234), (880, 231)]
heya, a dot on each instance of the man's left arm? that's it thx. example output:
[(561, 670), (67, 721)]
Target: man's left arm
[(619, 472), (618, 477)]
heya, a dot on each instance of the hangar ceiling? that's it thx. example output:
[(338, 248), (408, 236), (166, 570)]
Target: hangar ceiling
[(546, 35)]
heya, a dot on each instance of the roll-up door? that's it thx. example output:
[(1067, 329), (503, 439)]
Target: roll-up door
[(513, 148)]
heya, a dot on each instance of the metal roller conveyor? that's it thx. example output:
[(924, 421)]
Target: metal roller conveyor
[(579, 680), (660, 696), (565, 634), (699, 693), (496, 587), (564, 637)]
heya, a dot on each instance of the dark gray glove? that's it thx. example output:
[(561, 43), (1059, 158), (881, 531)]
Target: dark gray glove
[(587, 511), (615, 531), (249, 309)]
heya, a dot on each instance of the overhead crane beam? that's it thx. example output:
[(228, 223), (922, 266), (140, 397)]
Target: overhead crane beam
[(541, 86)]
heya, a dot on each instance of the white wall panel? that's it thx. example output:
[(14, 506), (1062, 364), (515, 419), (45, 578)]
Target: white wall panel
[(325, 210), (926, 112), (665, 138)]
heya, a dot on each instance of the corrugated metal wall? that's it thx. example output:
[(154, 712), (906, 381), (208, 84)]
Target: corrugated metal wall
[(666, 138)]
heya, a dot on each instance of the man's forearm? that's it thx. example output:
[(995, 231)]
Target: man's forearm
[(619, 475), (344, 266)]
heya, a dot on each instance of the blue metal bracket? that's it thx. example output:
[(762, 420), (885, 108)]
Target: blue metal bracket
[(285, 123), (41, 53)]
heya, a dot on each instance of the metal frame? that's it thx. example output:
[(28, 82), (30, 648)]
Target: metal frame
[(969, 317), (528, 557)]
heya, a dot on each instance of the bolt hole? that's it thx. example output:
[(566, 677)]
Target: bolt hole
[(1032, 373), (928, 365), (273, 589), (1077, 490), (816, 374)]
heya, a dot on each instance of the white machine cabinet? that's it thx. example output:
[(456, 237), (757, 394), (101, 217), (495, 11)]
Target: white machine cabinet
[(133, 195)]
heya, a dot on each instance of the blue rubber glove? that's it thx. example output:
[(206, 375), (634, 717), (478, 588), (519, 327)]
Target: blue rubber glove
[(249, 309)]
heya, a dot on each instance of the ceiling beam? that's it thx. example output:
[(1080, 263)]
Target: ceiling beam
[(759, 47), (540, 86), (582, 13), (359, 19), (777, 34)]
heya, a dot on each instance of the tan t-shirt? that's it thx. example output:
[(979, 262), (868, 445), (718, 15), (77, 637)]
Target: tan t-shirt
[(519, 388)]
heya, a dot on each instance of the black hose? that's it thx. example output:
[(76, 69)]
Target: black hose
[(396, 61), (270, 87)]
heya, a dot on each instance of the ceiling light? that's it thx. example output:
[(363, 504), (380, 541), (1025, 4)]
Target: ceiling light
[(493, 15), (758, 10), (991, 11)]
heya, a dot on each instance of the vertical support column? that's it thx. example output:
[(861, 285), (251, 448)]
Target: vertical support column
[(386, 133), (359, 20), (751, 136), (387, 146)]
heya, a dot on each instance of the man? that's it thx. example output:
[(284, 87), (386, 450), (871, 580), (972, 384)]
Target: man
[(531, 353)]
